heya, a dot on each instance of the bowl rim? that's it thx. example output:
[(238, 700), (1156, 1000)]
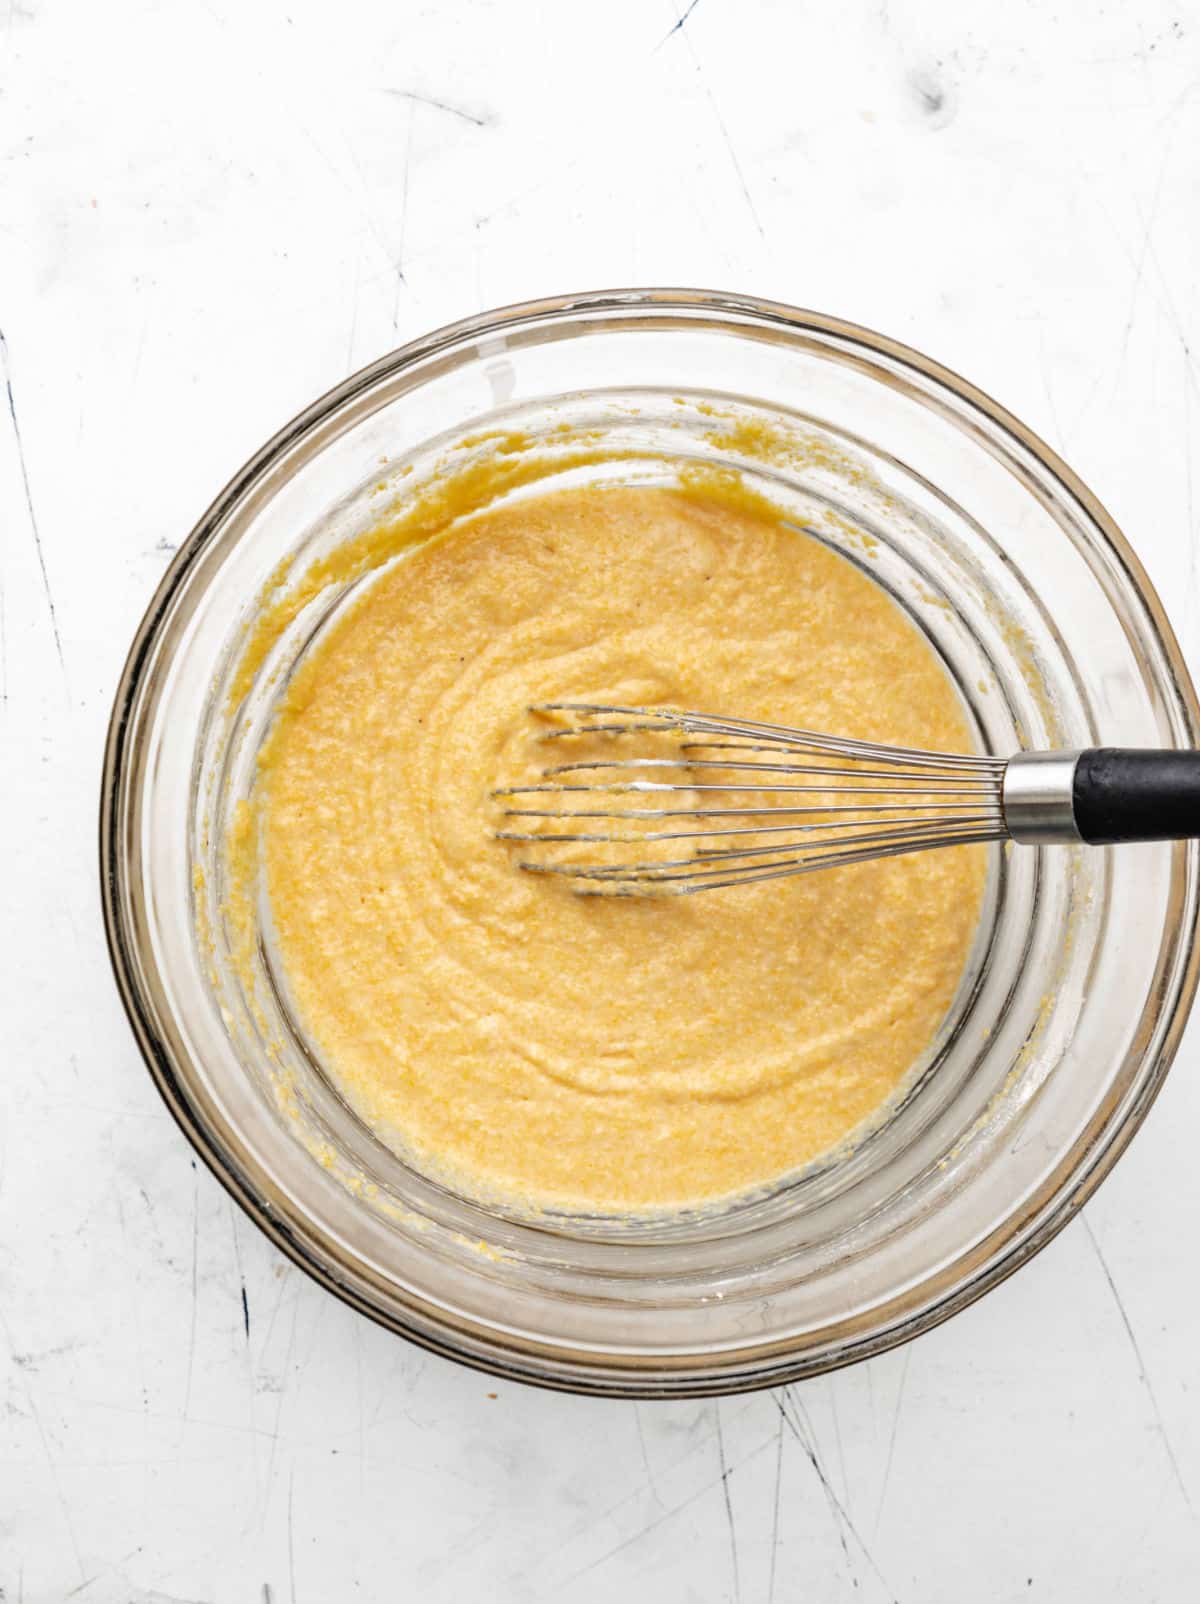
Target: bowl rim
[(515, 1362)]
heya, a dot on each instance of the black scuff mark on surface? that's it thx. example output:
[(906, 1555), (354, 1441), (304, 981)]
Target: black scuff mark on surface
[(187, 1391), (837, 1433), (241, 1274), (800, 1426), (887, 1469), (34, 1414), (808, 1444), (930, 95), (775, 1514), (1143, 1376), (933, 95), (670, 34), (729, 1520), (281, 1391), (650, 1480), (727, 139), (354, 315), (291, 1534), (398, 265), (32, 1360), (661, 1520), (33, 523), (477, 119)]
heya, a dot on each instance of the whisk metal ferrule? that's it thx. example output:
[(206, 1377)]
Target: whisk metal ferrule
[(1038, 797)]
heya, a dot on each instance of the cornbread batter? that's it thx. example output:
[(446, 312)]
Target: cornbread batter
[(599, 1052)]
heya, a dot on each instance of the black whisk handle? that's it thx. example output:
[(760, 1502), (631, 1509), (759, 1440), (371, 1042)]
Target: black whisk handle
[(1122, 794)]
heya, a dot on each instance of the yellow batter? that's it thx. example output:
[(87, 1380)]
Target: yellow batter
[(588, 1052)]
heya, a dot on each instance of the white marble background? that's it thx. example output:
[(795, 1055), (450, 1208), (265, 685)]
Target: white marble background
[(210, 212)]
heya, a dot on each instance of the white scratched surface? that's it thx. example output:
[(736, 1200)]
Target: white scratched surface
[(209, 213)]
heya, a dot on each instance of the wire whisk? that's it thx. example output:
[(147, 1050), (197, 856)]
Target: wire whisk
[(730, 802)]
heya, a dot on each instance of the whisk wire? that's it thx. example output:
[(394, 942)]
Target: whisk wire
[(843, 802)]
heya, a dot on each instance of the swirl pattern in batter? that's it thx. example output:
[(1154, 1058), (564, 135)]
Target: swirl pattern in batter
[(583, 1053)]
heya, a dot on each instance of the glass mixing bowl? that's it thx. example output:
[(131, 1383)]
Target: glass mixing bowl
[(1085, 963)]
